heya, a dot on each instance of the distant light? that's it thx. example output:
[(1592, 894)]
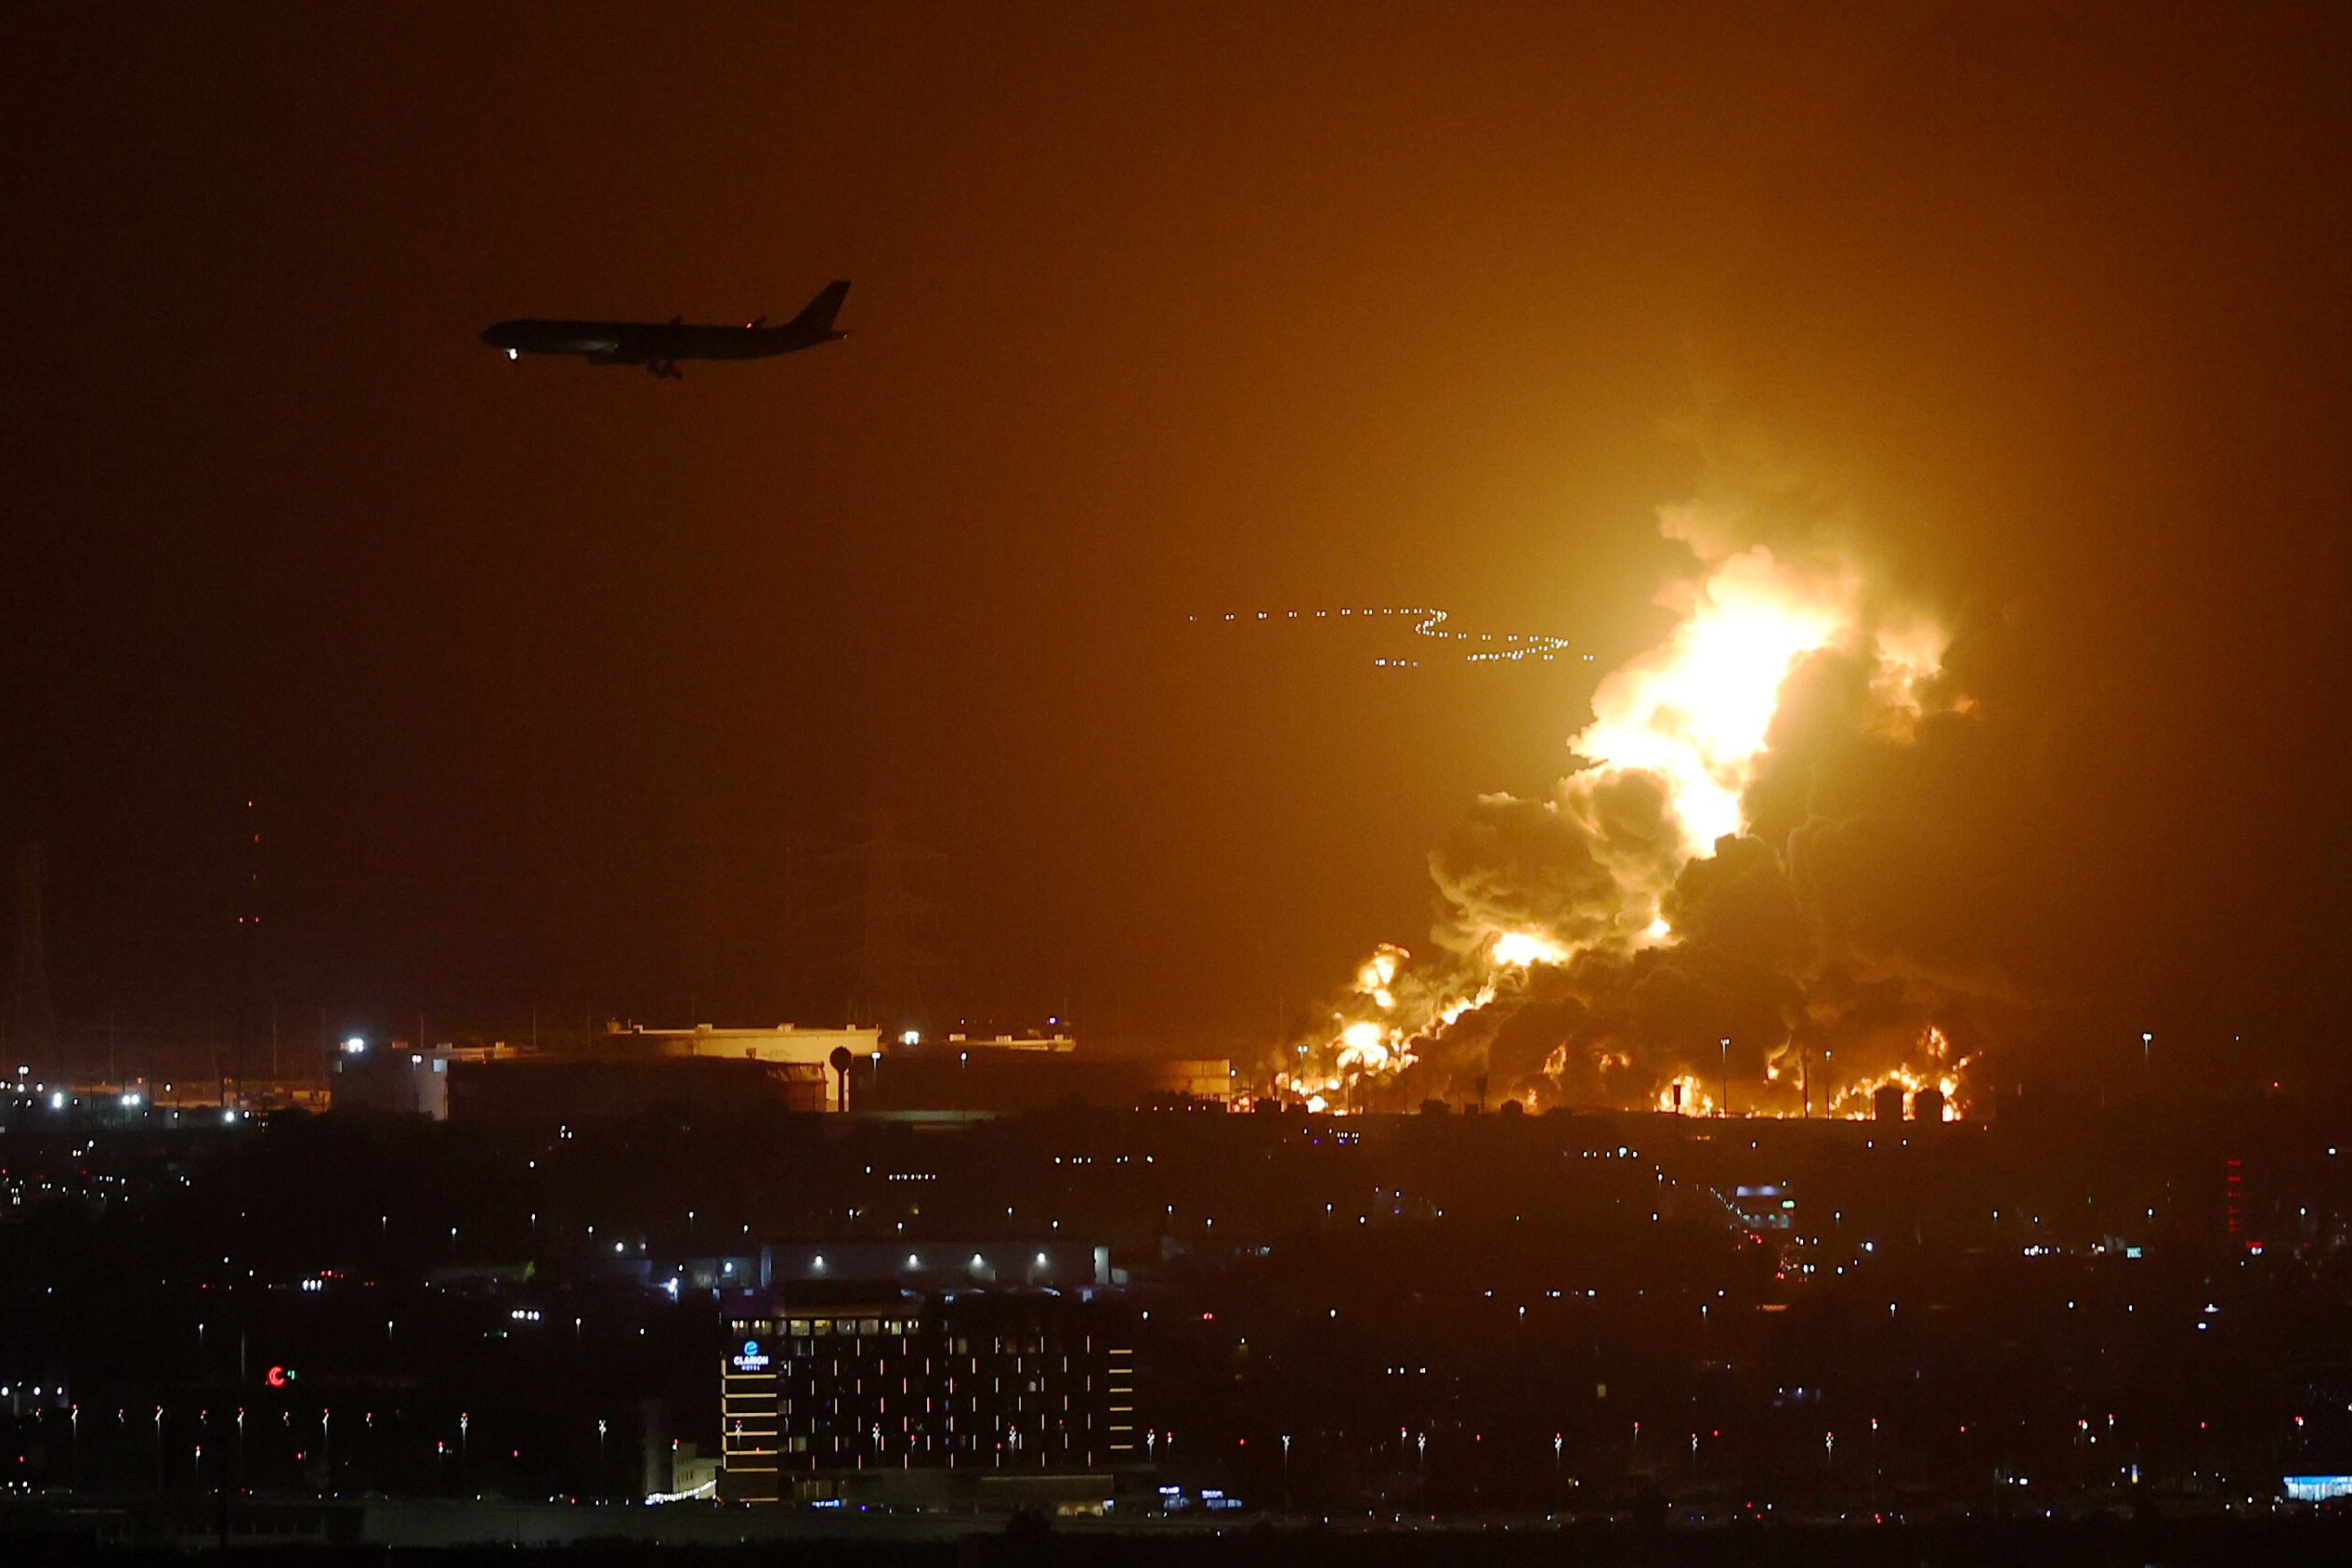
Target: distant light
[(513, 354), (132, 1099), (354, 1046), (56, 1100), (912, 1037), (228, 1116)]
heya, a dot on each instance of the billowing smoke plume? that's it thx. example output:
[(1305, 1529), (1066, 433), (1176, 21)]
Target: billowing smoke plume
[(1703, 907)]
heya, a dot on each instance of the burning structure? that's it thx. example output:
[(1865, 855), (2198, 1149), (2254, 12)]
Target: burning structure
[(1679, 925)]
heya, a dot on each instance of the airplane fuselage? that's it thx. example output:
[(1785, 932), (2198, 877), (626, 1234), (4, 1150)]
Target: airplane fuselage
[(646, 342), (659, 345)]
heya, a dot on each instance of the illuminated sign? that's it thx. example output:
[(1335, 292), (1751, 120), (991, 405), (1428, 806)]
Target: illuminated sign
[(2319, 1488), (750, 1358)]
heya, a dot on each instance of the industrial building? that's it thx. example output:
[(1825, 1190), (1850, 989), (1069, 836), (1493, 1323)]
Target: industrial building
[(399, 1081), (629, 1069), (1007, 1075)]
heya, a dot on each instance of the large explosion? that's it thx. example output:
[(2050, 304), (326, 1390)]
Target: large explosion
[(1668, 929)]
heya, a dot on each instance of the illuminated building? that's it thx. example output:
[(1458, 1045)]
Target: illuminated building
[(868, 1392), (785, 1043), (702, 1070)]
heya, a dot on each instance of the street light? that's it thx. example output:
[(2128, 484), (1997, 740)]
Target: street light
[(1286, 1473), (1727, 1075)]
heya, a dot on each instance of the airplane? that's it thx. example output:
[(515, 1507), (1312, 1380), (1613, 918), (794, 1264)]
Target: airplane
[(659, 345)]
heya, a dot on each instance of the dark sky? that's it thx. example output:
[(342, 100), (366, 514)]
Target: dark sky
[(536, 672)]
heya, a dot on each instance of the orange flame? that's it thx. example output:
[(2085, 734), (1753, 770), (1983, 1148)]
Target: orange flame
[(1694, 711)]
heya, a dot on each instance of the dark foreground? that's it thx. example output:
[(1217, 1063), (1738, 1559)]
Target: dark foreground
[(1028, 1543)]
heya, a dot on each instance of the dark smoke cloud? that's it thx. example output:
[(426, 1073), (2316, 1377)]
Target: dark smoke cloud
[(1812, 953), (1581, 869)]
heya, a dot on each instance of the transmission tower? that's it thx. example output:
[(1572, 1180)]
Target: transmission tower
[(895, 922), (253, 1012), (32, 1019)]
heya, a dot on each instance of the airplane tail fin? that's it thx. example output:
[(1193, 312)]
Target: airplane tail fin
[(818, 315)]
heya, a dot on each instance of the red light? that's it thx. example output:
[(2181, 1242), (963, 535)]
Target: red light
[(277, 1377)]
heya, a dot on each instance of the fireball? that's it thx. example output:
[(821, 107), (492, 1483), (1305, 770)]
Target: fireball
[(1695, 709), (1695, 713), (1519, 949)]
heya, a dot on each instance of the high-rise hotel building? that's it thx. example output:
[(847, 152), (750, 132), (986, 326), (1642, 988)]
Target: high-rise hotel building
[(826, 1388)]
